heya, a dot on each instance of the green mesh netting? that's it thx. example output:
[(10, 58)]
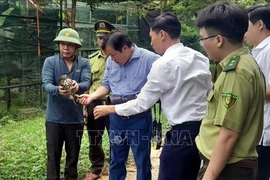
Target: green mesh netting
[(20, 74), (19, 40)]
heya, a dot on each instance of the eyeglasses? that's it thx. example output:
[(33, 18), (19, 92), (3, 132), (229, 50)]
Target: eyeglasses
[(202, 39)]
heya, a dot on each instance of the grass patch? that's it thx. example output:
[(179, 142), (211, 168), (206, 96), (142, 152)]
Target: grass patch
[(23, 150)]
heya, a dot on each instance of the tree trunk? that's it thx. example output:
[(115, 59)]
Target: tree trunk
[(73, 14), (66, 15)]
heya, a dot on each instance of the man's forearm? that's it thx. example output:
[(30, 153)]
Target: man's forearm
[(100, 93), (221, 153), (51, 89)]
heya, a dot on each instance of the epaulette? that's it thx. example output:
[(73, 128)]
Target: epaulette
[(93, 55), (232, 64)]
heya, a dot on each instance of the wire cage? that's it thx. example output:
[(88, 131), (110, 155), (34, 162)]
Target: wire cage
[(26, 39)]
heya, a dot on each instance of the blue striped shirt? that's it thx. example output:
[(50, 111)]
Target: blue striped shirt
[(128, 79)]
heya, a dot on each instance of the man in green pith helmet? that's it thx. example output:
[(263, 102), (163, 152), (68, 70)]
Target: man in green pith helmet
[(64, 118), (96, 128)]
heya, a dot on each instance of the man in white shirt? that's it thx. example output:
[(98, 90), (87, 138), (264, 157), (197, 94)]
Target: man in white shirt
[(181, 80), (258, 35)]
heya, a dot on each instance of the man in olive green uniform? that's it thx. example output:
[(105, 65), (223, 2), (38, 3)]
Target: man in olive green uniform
[(232, 126), (96, 127)]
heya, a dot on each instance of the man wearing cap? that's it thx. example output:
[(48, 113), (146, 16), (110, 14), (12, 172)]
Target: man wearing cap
[(64, 118), (96, 128)]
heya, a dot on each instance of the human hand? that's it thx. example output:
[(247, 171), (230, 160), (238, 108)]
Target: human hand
[(62, 91), (75, 86), (101, 111), (85, 99)]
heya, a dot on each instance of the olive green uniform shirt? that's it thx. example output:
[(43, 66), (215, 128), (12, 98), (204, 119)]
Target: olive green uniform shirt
[(237, 103), (98, 64)]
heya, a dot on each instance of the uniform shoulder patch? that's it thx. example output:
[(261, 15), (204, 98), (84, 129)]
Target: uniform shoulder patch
[(93, 55), (232, 64), (229, 100)]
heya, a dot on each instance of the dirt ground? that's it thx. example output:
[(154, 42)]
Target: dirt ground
[(131, 167)]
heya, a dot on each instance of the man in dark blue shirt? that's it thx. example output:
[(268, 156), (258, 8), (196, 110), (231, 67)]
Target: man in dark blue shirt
[(64, 118)]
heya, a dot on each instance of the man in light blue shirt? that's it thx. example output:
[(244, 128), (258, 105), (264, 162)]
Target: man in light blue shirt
[(181, 80), (127, 78), (126, 73)]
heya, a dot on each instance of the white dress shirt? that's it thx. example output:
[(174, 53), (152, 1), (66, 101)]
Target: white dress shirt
[(181, 80), (262, 55)]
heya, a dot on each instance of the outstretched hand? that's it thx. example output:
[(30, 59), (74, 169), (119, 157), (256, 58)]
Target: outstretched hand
[(85, 99)]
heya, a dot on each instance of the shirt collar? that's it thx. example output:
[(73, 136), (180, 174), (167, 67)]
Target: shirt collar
[(238, 52), (75, 58), (264, 43), (135, 55), (173, 47)]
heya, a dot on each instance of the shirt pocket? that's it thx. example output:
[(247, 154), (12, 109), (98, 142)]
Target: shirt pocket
[(211, 108), (137, 83)]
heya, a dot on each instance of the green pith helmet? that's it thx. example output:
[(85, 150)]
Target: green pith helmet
[(68, 35)]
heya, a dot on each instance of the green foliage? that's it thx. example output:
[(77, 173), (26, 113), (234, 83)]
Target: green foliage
[(7, 117), (187, 10), (23, 150), (248, 3), (22, 154), (189, 36), (95, 3)]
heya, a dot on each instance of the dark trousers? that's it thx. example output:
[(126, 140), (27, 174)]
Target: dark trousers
[(263, 162), (56, 135), (95, 129), (242, 170), (135, 133), (179, 159)]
